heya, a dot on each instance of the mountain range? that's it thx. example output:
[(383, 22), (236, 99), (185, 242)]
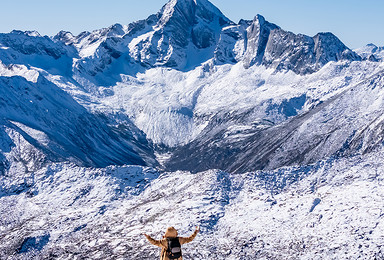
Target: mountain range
[(109, 73), (186, 92)]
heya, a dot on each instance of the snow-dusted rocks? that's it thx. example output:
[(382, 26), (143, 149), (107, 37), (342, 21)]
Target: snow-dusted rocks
[(269, 45), (258, 37), (262, 43), (30, 43), (297, 129), (332, 209), (31, 49), (183, 29), (371, 52)]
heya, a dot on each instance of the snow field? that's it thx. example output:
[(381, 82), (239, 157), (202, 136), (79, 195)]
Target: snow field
[(329, 210)]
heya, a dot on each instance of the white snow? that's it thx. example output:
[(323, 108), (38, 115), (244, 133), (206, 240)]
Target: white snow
[(153, 97), (39, 136), (19, 70), (371, 49), (329, 210)]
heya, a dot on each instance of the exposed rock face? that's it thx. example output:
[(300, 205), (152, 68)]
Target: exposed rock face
[(181, 25), (262, 43), (258, 34), (30, 43)]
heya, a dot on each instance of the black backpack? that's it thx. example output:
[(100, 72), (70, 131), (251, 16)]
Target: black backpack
[(174, 248)]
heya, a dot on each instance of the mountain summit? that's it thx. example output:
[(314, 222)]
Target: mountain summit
[(185, 29), (191, 11)]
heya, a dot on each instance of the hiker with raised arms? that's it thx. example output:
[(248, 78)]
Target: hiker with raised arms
[(171, 243)]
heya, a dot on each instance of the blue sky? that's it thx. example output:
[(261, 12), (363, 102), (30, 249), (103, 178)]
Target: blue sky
[(355, 22)]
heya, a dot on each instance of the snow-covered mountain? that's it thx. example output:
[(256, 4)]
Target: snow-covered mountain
[(272, 129), (371, 52), (267, 44), (162, 73)]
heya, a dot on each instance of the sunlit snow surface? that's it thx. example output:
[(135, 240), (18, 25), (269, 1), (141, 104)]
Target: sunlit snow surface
[(172, 107), (329, 210)]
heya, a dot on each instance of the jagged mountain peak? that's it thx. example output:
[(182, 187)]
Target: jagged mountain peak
[(371, 52), (371, 45), (190, 10), (259, 19), (186, 33), (18, 44), (177, 35), (330, 48), (65, 37), (328, 37)]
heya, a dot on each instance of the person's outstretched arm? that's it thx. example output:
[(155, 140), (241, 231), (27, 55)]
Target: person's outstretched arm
[(153, 241), (184, 240)]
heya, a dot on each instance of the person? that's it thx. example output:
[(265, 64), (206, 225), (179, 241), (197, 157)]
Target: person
[(171, 235)]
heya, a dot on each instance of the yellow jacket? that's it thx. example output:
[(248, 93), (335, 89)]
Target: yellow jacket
[(163, 243)]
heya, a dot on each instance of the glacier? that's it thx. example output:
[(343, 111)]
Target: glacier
[(269, 140)]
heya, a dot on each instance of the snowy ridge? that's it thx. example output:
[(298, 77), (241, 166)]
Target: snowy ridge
[(371, 52), (142, 80), (143, 76)]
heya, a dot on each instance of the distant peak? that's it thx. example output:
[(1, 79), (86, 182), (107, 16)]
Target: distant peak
[(116, 26), (64, 36), (27, 33), (327, 37), (372, 45), (64, 33), (260, 21), (116, 29), (325, 34), (185, 7), (259, 18)]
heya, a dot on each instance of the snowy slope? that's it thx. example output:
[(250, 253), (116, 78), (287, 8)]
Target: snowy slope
[(328, 210), (347, 123), (41, 123)]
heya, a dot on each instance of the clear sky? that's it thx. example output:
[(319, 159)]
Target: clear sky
[(355, 22)]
